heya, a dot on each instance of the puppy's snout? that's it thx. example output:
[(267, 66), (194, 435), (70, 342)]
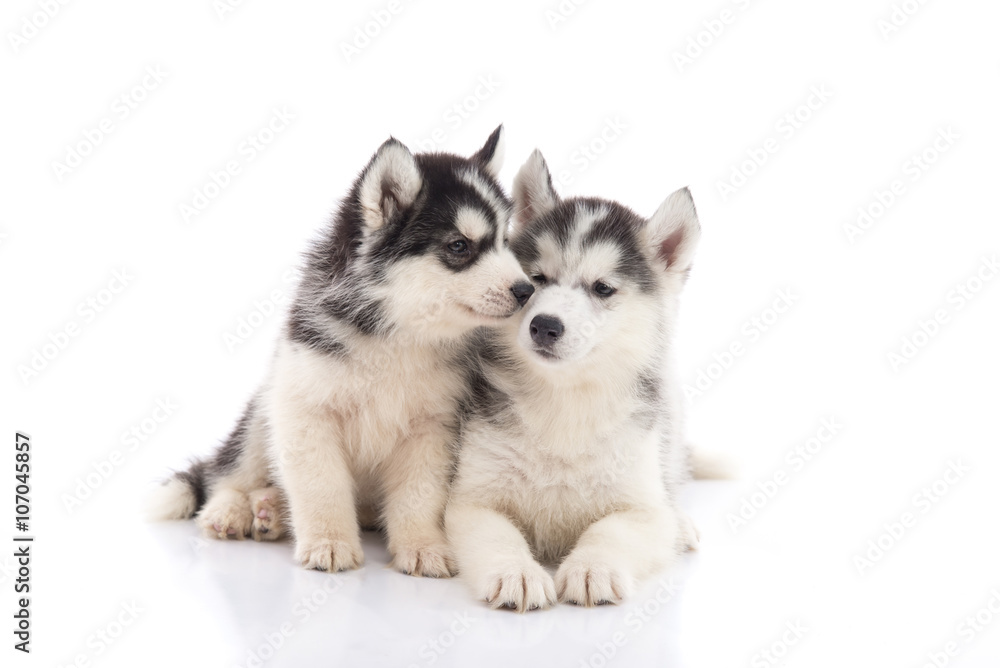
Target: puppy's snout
[(522, 290), (546, 330)]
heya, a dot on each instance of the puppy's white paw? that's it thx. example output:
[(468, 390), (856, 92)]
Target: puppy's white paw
[(688, 535), (329, 554), (268, 509), (226, 515), (520, 587), (592, 582), (429, 561)]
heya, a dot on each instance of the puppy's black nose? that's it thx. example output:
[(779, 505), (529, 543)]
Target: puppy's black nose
[(522, 291), (546, 330)]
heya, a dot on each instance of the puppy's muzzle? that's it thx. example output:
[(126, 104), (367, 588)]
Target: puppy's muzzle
[(522, 291), (546, 330)]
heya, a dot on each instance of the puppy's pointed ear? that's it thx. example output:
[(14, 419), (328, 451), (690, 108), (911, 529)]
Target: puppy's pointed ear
[(673, 231), (389, 184), (533, 192), (490, 156)]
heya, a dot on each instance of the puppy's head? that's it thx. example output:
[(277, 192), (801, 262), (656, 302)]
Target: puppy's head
[(603, 275), (433, 235)]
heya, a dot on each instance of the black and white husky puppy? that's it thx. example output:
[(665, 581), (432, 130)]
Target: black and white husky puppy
[(357, 417), (571, 451)]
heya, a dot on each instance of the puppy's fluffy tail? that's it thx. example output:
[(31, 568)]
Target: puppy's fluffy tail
[(180, 496), (711, 466)]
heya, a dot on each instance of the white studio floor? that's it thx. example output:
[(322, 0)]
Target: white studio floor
[(166, 597)]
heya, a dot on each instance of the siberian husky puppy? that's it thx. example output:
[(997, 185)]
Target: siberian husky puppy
[(356, 420), (570, 447)]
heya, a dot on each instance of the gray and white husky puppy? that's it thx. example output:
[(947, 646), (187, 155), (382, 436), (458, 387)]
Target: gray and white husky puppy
[(571, 451), (356, 421)]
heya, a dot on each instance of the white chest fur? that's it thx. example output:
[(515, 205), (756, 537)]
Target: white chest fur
[(568, 459), (377, 396)]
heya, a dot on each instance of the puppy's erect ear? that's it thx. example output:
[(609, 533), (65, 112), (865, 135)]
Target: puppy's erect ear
[(490, 156), (533, 192), (389, 184), (673, 231)]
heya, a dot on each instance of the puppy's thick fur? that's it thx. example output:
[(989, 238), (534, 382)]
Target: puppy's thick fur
[(358, 414), (571, 450)]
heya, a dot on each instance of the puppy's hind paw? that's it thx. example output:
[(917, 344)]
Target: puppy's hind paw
[(267, 506), (688, 536), (226, 516)]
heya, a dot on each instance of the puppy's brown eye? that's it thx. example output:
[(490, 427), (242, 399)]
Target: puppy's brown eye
[(541, 279), (459, 247), (602, 289)]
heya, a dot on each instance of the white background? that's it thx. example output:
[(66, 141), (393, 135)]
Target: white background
[(608, 67)]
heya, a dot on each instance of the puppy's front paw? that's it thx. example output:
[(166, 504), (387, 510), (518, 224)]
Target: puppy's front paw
[(592, 582), (522, 588), (226, 516), (329, 554), (430, 561), (267, 506)]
